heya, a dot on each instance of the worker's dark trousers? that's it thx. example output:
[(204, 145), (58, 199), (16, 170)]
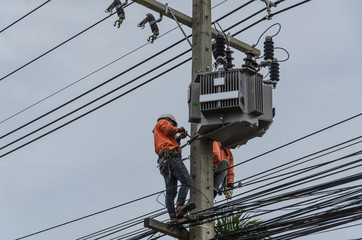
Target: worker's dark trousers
[(178, 172), (220, 172)]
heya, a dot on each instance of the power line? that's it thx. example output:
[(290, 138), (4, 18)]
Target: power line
[(299, 159), (59, 45), (301, 138), (61, 106), (97, 99), (25, 16), (98, 86), (271, 15), (106, 65), (241, 200), (90, 215), (94, 109), (90, 74)]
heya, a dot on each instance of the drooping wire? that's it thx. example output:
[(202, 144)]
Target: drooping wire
[(285, 52), (24, 16), (275, 24)]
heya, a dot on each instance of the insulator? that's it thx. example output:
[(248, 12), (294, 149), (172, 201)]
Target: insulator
[(153, 24), (218, 47), (229, 58), (274, 70), (250, 60), (268, 48), (120, 11)]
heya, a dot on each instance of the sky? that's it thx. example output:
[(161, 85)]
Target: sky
[(107, 157)]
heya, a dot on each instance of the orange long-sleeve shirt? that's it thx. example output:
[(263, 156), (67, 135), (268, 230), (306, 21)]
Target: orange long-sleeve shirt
[(165, 136), (220, 154)]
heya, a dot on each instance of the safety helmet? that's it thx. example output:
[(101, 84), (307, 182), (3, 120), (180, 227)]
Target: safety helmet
[(167, 115)]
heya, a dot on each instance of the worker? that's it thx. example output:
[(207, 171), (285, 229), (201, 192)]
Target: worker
[(223, 169), (167, 138)]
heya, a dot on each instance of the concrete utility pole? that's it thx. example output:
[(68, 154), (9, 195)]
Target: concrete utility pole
[(201, 168)]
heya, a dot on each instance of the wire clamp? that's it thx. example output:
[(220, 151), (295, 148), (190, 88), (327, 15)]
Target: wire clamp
[(269, 4), (118, 5), (153, 25)]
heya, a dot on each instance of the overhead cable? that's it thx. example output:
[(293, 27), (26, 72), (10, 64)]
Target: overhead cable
[(271, 15), (59, 45), (94, 109), (167, 48), (61, 106), (301, 138), (25, 16), (89, 215), (97, 70)]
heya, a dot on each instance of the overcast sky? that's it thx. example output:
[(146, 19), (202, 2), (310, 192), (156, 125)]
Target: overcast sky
[(107, 157)]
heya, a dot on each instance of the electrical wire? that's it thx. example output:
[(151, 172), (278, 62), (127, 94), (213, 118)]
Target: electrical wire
[(126, 225), (59, 45), (90, 215), (338, 197), (284, 60), (300, 139), (100, 85), (242, 200), (271, 15), (275, 24), (304, 157), (32, 11), (92, 110), (87, 92), (70, 102), (101, 68), (95, 71)]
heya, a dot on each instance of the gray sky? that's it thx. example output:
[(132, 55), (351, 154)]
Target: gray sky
[(107, 158)]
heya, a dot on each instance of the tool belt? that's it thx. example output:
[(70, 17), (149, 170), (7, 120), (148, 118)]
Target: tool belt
[(168, 154), (163, 163)]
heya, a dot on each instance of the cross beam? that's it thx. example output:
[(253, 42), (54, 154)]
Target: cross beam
[(186, 20), (177, 232)]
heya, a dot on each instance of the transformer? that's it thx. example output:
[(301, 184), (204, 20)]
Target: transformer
[(231, 106)]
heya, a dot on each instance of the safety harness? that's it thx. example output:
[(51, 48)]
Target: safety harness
[(163, 160)]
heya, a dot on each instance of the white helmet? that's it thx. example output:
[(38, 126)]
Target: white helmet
[(167, 115)]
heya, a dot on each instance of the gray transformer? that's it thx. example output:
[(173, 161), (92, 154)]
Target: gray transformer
[(231, 106)]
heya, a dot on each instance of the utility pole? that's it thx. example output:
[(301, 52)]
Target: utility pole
[(201, 166)]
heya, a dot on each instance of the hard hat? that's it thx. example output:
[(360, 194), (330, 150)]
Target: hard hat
[(167, 115)]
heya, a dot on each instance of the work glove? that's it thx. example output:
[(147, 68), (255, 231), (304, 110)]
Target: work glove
[(229, 191), (181, 130), (182, 135)]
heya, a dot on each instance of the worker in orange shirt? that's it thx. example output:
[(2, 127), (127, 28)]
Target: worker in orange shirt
[(167, 138), (223, 169)]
